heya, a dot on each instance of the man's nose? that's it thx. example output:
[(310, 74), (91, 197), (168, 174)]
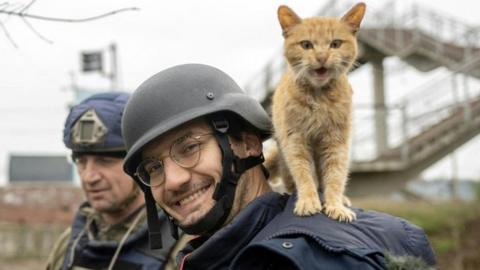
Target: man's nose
[(175, 175), (90, 173)]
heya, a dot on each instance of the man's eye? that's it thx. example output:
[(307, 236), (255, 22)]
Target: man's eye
[(154, 168), (107, 160), (190, 148), (79, 161)]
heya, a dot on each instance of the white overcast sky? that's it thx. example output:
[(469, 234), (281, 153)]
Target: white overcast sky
[(237, 36)]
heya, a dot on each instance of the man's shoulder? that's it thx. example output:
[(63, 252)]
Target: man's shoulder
[(371, 233), (56, 256)]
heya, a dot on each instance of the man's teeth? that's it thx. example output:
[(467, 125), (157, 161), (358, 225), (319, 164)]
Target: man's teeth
[(193, 196)]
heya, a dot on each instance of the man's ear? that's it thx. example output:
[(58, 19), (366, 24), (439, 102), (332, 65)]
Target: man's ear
[(253, 144)]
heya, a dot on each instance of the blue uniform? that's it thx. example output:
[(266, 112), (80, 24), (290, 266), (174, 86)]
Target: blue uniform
[(267, 235)]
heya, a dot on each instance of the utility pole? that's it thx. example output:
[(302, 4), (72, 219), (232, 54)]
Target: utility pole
[(454, 181), (114, 68), (74, 88)]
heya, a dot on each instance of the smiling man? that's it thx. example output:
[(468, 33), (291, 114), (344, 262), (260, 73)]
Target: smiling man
[(194, 141), (109, 230)]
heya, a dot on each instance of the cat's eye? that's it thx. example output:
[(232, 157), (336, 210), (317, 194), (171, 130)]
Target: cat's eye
[(306, 44), (336, 43)]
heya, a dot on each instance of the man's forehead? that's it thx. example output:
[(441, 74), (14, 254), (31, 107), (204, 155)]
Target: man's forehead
[(96, 157), (163, 142)]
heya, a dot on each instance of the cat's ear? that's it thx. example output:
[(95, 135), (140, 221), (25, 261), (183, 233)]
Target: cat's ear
[(287, 18), (354, 16)]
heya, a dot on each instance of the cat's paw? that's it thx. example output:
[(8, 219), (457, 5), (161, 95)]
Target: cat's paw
[(307, 207), (339, 212)]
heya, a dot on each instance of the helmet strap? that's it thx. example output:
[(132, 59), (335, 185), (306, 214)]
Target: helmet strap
[(153, 222)]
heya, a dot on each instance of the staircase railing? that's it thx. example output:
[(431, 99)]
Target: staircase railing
[(421, 109)]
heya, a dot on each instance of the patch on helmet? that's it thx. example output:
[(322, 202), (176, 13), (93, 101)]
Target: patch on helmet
[(89, 129)]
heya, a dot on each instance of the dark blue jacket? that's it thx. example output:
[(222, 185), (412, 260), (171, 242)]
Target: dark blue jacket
[(267, 235)]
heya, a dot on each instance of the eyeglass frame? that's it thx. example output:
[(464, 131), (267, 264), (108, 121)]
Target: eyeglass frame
[(160, 160)]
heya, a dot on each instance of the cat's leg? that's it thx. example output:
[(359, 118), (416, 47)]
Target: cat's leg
[(286, 177), (346, 201), (299, 161), (334, 169)]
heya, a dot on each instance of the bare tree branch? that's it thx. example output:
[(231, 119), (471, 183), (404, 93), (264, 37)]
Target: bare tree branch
[(27, 6), (8, 35), (42, 37), (29, 25), (38, 17), (12, 10)]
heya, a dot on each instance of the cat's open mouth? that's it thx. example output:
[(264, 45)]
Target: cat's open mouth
[(322, 72)]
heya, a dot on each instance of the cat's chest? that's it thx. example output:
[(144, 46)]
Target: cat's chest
[(311, 113), (317, 114), (310, 106)]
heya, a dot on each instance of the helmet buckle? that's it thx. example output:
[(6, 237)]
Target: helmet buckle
[(220, 125)]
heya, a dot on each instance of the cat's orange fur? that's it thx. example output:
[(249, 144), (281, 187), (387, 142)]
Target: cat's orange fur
[(312, 109)]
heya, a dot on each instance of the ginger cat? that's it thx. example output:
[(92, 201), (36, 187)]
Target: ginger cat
[(312, 109)]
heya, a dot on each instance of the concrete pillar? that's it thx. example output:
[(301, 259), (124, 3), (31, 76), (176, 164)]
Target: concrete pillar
[(381, 132)]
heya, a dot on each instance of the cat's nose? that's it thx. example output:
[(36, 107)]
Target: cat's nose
[(322, 59)]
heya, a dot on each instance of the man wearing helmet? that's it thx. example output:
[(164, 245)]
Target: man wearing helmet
[(194, 143), (109, 230)]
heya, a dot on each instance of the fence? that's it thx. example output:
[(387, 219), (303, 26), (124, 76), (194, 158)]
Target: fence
[(21, 241)]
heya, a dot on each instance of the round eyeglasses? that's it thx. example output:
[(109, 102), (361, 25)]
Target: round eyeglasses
[(184, 151)]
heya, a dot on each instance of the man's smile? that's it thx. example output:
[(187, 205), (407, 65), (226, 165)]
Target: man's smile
[(193, 200), (192, 196)]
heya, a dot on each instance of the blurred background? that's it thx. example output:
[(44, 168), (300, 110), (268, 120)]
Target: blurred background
[(416, 98)]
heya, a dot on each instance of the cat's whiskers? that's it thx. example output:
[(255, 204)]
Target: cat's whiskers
[(296, 66), (355, 64), (344, 65), (300, 71)]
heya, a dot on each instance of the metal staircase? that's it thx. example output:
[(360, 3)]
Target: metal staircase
[(426, 125)]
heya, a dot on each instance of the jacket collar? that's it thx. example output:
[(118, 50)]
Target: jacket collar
[(218, 251)]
